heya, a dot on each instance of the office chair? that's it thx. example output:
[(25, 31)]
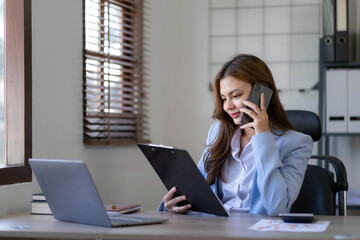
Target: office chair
[(319, 189)]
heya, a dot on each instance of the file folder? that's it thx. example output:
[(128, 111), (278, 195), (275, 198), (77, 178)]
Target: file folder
[(353, 30), (353, 78), (341, 31), (328, 41), (336, 101)]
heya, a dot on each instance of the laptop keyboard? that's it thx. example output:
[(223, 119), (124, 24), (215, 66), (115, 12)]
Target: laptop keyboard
[(125, 219), (116, 215), (124, 222)]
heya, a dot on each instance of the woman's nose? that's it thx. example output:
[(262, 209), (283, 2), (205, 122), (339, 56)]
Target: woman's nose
[(229, 105)]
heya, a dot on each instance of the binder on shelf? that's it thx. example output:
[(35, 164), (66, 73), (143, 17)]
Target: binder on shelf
[(354, 30), (341, 31), (353, 77), (336, 101), (328, 21)]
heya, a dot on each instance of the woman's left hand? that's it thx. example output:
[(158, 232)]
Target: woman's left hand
[(261, 119)]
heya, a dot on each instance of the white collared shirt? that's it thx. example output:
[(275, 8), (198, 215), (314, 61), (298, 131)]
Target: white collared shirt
[(238, 172)]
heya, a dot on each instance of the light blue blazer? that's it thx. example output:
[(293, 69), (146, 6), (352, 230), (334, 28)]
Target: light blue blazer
[(280, 165)]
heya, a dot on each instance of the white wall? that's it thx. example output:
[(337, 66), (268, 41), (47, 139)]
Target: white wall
[(179, 100), (176, 94), (180, 103)]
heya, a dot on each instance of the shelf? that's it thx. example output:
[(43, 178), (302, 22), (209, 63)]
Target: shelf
[(341, 64), (341, 134), (323, 146)]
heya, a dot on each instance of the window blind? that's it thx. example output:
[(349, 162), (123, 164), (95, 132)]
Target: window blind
[(113, 79)]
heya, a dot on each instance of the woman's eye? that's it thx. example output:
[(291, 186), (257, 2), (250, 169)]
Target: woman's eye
[(223, 99), (236, 96)]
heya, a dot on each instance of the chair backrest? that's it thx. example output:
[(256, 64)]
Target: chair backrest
[(319, 189), (316, 194), (306, 122)]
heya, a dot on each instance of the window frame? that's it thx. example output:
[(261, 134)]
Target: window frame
[(18, 93)]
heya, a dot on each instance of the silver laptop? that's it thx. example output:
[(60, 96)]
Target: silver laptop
[(72, 195)]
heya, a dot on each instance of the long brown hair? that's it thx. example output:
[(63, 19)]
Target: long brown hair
[(253, 70)]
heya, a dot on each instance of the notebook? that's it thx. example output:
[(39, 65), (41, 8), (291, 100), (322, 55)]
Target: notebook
[(175, 167), (72, 195)]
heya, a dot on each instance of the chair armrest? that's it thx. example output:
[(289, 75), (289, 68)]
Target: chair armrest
[(340, 170)]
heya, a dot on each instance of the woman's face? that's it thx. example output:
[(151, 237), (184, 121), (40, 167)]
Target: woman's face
[(233, 92)]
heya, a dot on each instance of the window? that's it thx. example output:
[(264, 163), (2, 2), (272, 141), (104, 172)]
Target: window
[(16, 95), (113, 79), (2, 85)]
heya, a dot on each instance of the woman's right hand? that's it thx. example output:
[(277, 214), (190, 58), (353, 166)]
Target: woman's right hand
[(170, 202)]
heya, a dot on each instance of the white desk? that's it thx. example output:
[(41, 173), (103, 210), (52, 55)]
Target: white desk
[(25, 226)]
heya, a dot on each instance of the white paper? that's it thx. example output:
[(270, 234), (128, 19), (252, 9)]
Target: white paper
[(280, 226)]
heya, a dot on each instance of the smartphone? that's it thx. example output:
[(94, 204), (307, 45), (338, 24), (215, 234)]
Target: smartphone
[(254, 97), (298, 217)]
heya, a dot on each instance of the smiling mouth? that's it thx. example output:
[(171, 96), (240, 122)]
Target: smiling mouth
[(235, 115)]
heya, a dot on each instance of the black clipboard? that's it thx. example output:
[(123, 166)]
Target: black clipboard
[(175, 167)]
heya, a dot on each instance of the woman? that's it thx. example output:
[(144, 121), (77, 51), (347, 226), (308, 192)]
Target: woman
[(256, 167)]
